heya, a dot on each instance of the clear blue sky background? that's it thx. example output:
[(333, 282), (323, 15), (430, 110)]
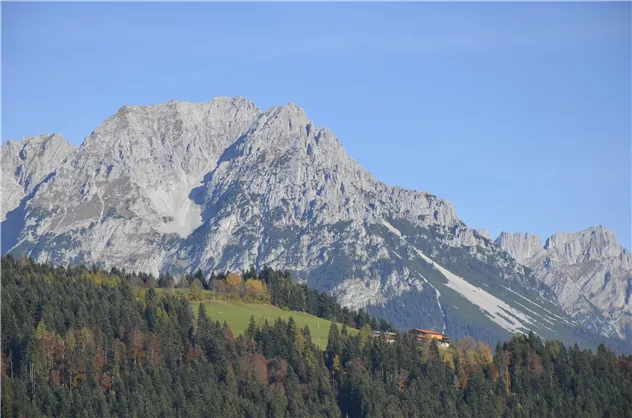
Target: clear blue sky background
[(518, 113)]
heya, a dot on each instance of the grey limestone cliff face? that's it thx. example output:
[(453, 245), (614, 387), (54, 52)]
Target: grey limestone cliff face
[(128, 185), (522, 247), (587, 270), (25, 164)]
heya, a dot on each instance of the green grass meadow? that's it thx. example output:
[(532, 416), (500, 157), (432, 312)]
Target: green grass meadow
[(237, 316)]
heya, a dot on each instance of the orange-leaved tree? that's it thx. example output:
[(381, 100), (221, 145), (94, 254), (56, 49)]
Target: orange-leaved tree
[(234, 284)]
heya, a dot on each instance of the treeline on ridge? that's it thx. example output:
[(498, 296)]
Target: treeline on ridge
[(268, 285)]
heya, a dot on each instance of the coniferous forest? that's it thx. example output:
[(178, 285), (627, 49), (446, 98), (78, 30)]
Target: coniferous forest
[(80, 342)]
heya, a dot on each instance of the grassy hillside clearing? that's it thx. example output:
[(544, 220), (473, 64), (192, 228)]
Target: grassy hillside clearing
[(237, 316)]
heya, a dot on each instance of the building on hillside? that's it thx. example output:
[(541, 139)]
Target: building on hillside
[(445, 342), (425, 334), (389, 337)]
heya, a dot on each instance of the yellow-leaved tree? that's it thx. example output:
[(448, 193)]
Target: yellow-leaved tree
[(257, 291), (234, 284)]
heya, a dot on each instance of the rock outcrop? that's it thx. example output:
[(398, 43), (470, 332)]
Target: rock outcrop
[(25, 164), (588, 271)]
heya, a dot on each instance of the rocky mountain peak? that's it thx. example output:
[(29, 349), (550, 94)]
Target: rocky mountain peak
[(589, 244), (482, 233), (592, 243), (520, 246), (172, 142), (26, 163), (42, 146), (281, 122), (291, 112)]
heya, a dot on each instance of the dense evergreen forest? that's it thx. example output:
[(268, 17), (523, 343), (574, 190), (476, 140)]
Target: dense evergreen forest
[(81, 342)]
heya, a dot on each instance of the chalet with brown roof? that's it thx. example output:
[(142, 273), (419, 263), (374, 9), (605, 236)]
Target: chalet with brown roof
[(426, 334)]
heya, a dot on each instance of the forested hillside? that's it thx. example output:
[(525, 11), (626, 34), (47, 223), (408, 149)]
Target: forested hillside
[(82, 342)]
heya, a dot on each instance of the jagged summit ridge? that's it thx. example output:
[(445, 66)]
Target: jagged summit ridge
[(178, 138), (28, 162), (587, 270), (591, 243)]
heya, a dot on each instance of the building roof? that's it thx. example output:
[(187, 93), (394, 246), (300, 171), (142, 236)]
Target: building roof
[(427, 331)]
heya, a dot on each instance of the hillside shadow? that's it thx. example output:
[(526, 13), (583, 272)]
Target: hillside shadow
[(198, 195), (201, 194), (12, 226)]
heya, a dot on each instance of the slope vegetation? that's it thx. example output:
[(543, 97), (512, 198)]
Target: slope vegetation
[(237, 315), (79, 342)]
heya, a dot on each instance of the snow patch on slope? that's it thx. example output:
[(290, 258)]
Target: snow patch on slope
[(496, 309), (391, 228), (541, 307), (437, 293)]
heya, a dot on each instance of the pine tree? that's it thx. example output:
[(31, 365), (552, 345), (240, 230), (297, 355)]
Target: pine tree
[(252, 327), (334, 345)]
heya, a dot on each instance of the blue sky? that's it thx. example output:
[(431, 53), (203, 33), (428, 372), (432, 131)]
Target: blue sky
[(518, 113)]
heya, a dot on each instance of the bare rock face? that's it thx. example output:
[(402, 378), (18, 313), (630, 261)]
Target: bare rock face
[(521, 247), (595, 243), (128, 185), (224, 185), (587, 271), (25, 164)]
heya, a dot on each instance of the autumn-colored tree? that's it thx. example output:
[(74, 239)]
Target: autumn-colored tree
[(483, 353), (193, 352), (105, 383), (136, 343), (153, 346), (402, 379), (534, 362), (234, 283), (467, 349), (254, 366), (256, 290), (466, 343), (278, 370)]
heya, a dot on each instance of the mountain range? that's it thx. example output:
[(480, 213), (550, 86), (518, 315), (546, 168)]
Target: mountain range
[(224, 185)]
